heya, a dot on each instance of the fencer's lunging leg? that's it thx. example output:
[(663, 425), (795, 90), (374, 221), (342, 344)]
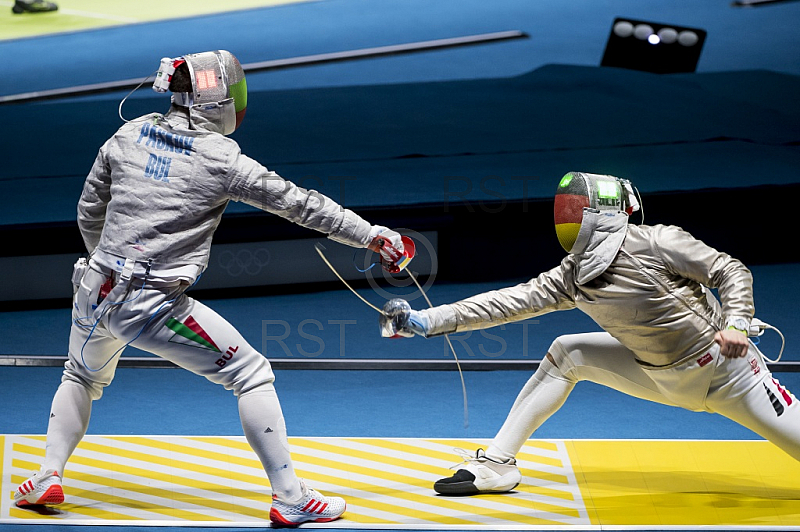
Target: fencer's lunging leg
[(495, 470), (543, 394), (594, 357), (265, 430), (69, 419)]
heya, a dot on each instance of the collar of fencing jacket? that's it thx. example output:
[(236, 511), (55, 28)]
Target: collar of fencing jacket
[(599, 239)]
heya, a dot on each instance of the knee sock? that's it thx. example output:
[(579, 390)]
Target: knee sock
[(543, 394), (69, 419), (265, 430)]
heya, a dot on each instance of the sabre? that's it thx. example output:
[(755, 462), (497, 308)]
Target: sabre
[(319, 247), (320, 250)]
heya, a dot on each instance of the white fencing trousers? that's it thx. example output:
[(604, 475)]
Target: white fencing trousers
[(741, 389), (161, 319)]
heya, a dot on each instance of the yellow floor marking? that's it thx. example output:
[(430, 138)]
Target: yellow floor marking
[(78, 15), (455, 503), (409, 511), (626, 483), (186, 464), (471, 445), (351, 468), (27, 449), (545, 492), (412, 465), (199, 453), (414, 481), (75, 509), (24, 464), (680, 483), (475, 510), (364, 455), (216, 440), (428, 453), (94, 495), (380, 490), (140, 505), (406, 448), (528, 503), (186, 485), (544, 475), (539, 459)]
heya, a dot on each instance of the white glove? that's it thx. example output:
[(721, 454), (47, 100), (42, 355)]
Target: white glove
[(399, 319)]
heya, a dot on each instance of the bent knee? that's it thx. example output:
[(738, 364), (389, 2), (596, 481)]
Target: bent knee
[(264, 387), (93, 388), (557, 354), (560, 364), (253, 374)]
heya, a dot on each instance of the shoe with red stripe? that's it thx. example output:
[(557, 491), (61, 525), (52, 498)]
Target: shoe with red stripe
[(44, 487), (312, 507)]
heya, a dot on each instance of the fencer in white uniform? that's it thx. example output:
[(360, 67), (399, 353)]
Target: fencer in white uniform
[(667, 338), (147, 214)]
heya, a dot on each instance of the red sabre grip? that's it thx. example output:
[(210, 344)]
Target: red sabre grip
[(394, 260)]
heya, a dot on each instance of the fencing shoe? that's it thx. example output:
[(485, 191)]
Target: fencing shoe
[(480, 474), (312, 507), (44, 487), (33, 6)]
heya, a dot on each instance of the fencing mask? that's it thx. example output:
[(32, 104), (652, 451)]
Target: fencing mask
[(217, 99), (578, 191)]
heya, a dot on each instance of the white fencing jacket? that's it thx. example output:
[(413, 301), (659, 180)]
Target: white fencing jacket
[(644, 285), (157, 191)]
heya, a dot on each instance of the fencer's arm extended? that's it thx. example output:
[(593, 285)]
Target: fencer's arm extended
[(546, 293), (688, 257), (266, 190), (94, 201)]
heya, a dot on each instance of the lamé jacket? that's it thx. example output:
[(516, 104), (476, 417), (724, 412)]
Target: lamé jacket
[(157, 191), (644, 285)]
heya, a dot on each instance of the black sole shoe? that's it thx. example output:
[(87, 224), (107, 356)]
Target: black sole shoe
[(462, 483), (33, 7)]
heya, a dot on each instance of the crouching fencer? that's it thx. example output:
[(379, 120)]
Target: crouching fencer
[(666, 337), (147, 214)]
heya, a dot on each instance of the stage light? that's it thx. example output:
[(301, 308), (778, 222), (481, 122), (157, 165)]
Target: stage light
[(653, 47), (668, 35)]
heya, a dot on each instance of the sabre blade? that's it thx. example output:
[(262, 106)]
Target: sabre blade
[(319, 247)]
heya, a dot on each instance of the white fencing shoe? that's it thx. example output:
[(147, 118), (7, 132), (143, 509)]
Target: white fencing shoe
[(312, 507), (480, 474), (44, 487)]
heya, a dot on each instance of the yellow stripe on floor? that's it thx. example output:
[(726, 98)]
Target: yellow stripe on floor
[(387, 482)]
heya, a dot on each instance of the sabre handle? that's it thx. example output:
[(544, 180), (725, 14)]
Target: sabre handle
[(399, 320), (395, 251)]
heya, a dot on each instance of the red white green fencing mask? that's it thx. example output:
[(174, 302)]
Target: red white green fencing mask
[(218, 99)]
